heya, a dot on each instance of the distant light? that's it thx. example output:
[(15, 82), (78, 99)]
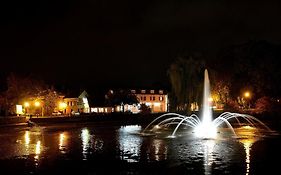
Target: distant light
[(19, 109), (148, 104), (247, 94), (26, 104), (62, 105), (157, 104), (37, 103), (210, 99)]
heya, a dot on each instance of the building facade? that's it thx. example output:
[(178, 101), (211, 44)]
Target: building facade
[(156, 100), (77, 105)]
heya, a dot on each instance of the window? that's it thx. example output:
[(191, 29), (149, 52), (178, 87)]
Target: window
[(133, 91), (160, 91), (152, 91), (153, 98), (161, 98), (142, 91), (144, 98)]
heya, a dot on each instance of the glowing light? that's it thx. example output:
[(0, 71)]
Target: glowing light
[(19, 109), (207, 130), (210, 99), (85, 137), (37, 152), (27, 137), (157, 104), (247, 143), (148, 104), (247, 94), (61, 141), (38, 147), (129, 144), (26, 104), (37, 103), (62, 105)]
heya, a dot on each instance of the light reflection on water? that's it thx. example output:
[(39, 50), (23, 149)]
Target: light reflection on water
[(85, 137), (248, 136), (208, 156), (37, 152), (90, 143), (63, 142), (160, 149), (129, 142)]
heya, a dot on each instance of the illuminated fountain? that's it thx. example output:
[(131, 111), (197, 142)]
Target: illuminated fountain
[(207, 128)]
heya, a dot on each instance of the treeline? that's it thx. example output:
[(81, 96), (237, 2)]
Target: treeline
[(253, 67)]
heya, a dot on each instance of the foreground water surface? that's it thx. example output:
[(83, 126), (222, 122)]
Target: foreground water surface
[(107, 148)]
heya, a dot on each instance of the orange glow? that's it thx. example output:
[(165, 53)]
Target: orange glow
[(37, 104), (247, 94), (26, 104)]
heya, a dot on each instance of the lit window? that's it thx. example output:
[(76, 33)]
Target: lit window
[(152, 91), (142, 91), (160, 91), (133, 91), (161, 98), (157, 104)]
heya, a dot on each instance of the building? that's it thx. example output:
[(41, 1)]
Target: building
[(156, 100), (77, 105)]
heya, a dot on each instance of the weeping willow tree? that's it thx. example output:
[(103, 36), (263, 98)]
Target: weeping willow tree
[(186, 78)]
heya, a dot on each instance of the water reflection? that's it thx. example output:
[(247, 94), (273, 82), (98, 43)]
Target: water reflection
[(129, 143), (26, 141), (248, 138), (85, 136), (160, 149), (90, 143), (37, 152), (63, 142), (208, 155), (27, 137)]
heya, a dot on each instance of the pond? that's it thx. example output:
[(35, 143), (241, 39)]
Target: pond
[(107, 148)]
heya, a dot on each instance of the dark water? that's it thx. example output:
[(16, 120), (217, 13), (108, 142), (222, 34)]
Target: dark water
[(109, 149)]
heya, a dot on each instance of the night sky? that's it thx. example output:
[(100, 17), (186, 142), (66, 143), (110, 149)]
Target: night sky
[(125, 43)]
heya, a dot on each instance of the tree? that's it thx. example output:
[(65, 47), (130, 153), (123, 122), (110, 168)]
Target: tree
[(254, 65), (20, 89), (144, 109), (50, 100), (220, 92), (186, 78), (120, 97)]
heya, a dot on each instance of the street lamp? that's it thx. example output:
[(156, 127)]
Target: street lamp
[(247, 94)]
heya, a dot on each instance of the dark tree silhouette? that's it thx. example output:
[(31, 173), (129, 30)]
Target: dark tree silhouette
[(186, 78)]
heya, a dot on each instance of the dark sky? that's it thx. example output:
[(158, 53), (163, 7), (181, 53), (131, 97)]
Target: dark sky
[(126, 43)]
